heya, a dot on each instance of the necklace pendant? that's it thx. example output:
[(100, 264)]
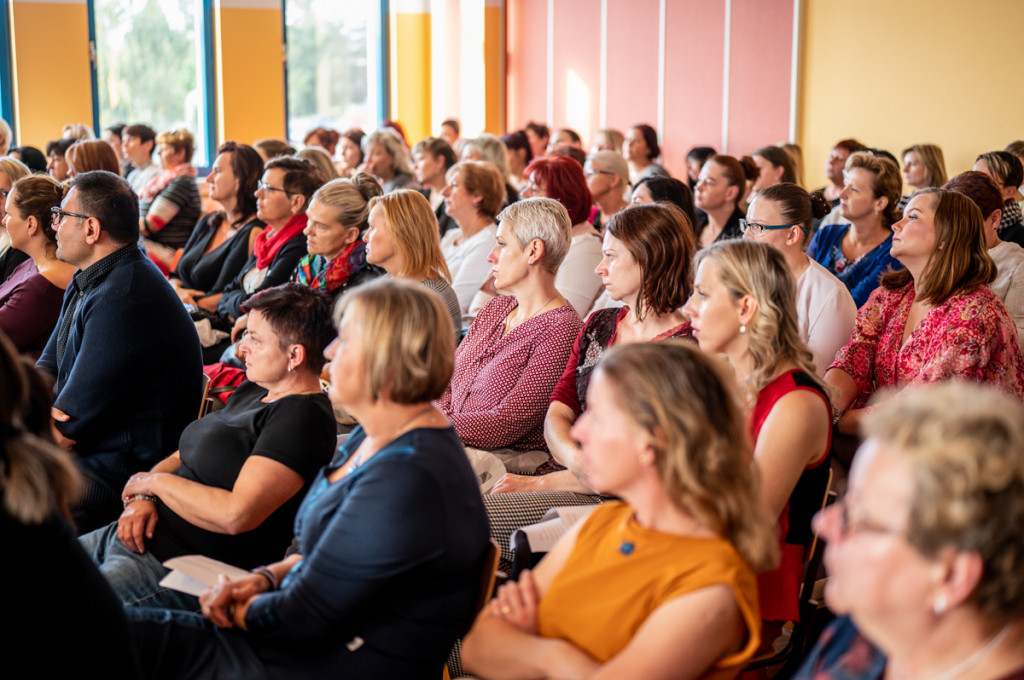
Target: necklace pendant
[(627, 547)]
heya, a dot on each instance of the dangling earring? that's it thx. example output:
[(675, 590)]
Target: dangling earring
[(743, 329), (939, 606)]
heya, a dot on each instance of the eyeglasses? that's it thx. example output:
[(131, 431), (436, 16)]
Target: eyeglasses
[(58, 215), (849, 525), (758, 229), (593, 171), (263, 186)]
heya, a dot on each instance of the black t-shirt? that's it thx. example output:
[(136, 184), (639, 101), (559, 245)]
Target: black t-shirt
[(297, 431)]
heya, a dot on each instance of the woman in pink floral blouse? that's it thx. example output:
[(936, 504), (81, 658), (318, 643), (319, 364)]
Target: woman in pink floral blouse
[(936, 320), (519, 342)]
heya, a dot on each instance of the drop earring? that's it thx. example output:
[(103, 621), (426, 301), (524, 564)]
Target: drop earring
[(743, 329)]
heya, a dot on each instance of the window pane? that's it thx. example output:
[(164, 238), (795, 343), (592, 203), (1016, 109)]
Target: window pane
[(148, 61), (333, 78)]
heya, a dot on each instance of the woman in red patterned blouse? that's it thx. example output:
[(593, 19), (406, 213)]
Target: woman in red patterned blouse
[(936, 320), (518, 344)]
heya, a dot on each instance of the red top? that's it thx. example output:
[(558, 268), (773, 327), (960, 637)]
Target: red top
[(779, 589)]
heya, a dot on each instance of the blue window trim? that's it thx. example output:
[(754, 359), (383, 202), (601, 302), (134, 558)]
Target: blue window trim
[(6, 68), (384, 103), (207, 85)]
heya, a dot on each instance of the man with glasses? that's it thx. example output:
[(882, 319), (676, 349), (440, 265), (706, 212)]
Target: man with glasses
[(124, 354)]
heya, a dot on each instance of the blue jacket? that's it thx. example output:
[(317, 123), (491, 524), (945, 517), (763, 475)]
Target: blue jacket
[(861, 277)]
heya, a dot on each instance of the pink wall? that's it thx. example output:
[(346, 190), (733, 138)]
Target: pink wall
[(760, 38)]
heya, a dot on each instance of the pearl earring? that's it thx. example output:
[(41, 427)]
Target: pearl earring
[(939, 606), (743, 329)]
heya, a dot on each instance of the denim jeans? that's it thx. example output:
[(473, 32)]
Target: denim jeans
[(134, 578)]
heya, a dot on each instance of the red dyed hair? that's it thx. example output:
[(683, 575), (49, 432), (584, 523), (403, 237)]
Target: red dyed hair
[(562, 179)]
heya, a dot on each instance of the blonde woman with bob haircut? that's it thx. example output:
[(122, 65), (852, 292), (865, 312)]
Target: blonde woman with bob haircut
[(659, 584), (744, 307), (516, 349), (403, 241), (391, 539), (924, 552), (935, 320)]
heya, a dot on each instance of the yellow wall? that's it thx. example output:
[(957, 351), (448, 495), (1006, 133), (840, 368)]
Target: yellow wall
[(250, 74), (52, 85), (494, 68), (894, 74), (410, 73)]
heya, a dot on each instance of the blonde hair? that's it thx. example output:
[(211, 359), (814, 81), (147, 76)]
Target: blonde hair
[(481, 179), (757, 269), (933, 160), (541, 218), (319, 158), (610, 161), (412, 226), (350, 199), (179, 140), (13, 168), (963, 443), (92, 154), (493, 150), (393, 144), (797, 154), (6, 137), (682, 398), (407, 336), (77, 131)]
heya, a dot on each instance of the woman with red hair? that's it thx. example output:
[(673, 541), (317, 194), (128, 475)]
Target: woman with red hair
[(562, 178)]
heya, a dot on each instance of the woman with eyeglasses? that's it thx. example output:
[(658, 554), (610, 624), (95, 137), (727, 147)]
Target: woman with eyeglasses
[(31, 299), (924, 552), (170, 204), (607, 176), (744, 306), (224, 239), (782, 216), (857, 251), (935, 320)]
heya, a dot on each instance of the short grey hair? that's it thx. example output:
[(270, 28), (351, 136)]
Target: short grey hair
[(394, 145), (541, 218), (610, 161)]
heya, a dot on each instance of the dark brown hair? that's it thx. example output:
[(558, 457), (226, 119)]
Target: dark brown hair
[(660, 238), (796, 206), (34, 196), (980, 188)]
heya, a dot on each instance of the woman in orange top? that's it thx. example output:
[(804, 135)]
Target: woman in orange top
[(662, 584)]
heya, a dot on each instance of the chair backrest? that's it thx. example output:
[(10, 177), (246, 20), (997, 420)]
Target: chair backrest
[(204, 403)]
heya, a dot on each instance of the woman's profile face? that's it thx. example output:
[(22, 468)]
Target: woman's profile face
[(380, 249), (636, 148), (347, 358), (619, 271), (266, 363), (642, 195), (874, 572), (914, 170), (914, 237), (5, 193), (351, 154), (713, 191), (169, 158), (58, 167), (13, 222), (379, 161), (857, 199), (509, 262), (713, 313), (222, 180), (611, 443), (325, 235), (459, 202)]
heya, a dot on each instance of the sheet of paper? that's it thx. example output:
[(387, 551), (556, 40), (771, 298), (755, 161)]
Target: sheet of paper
[(193, 574)]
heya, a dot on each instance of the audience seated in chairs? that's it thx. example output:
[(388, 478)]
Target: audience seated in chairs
[(231, 490), (518, 344), (744, 306), (54, 585), (924, 552), (31, 299), (661, 583), (934, 321), (391, 536), (402, 241)]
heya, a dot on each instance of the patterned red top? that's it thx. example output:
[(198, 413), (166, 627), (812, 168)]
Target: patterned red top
[(970, 337), (499, 393)]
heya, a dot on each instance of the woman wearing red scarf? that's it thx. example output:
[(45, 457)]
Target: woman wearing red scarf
[(281, 201)]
